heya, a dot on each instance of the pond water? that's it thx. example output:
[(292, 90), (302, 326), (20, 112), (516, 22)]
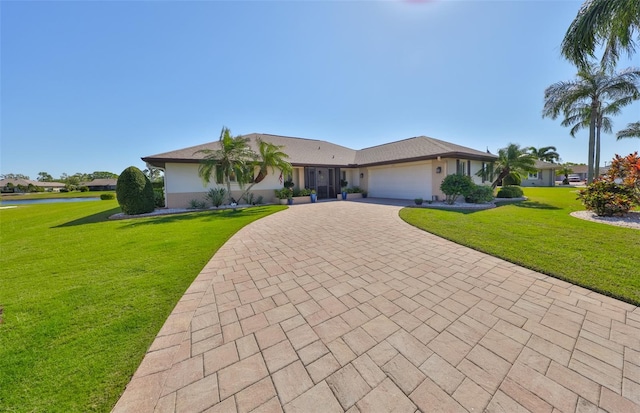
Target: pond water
[(6, 201)]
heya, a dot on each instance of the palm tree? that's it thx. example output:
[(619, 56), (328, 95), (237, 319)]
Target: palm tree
[(608, 23), (233, 160), (632, 131), (271, 157), (580, 118), (592, 88), (512, 161), (546, 153)]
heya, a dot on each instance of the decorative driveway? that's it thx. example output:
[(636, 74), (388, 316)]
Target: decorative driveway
[(342, 306)]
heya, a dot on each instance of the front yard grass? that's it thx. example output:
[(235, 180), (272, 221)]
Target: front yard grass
[(84, 296), (541, 235)]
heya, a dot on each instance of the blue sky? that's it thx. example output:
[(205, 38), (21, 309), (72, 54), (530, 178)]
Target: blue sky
[(94, 86)]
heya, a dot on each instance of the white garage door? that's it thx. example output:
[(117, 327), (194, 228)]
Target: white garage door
[(401, 181)]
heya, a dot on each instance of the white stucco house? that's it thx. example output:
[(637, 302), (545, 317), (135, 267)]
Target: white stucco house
[(405, 169), (545, 176)]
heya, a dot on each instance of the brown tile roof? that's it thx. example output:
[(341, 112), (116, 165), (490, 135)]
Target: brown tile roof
[(27, 182), (546, 165), (100, 182), (303, 151)]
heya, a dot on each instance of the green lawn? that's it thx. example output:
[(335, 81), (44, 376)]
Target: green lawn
[(541, 235), (84, 296), (6, 198)]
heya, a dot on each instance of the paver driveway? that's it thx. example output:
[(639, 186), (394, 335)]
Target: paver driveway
[(342, 306)]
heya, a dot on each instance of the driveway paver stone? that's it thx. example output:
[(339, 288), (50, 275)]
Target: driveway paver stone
[(341, 306)]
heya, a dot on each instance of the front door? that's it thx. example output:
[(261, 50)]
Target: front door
[(323, 180)]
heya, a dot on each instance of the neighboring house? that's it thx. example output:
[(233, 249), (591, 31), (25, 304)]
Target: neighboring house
[(581, 171), (12, 185), (545, 176), (406, 169), (104, 184)]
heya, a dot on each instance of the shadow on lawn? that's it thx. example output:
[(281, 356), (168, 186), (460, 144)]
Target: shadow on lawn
[(534, 205), (90, 219), (165, 219)]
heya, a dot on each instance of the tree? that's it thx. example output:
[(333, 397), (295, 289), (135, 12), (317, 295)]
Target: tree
[(565, 170), (154, 174), (102, 175), (14, 176), (512, 161), (607, 23), (134, 192), (595, 88), (271, 157), (632, 131), (44, 177), (580, 118), (546, 153), (234, 160)]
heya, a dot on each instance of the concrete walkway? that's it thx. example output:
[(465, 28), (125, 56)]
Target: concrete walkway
[(342, 306)]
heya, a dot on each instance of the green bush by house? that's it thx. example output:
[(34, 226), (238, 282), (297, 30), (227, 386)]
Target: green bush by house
[(134, 192)]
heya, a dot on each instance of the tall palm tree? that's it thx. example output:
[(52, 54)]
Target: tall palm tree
[(233, 160), (580, 118), (546, 153), (512, 161), (593, 87), (632, 131), (608, 23)]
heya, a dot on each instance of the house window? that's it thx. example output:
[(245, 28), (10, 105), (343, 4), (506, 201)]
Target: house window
[(462, 167), (533, 175)]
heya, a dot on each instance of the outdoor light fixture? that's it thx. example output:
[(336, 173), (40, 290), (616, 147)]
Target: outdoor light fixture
[(439, 169), (361, 175)]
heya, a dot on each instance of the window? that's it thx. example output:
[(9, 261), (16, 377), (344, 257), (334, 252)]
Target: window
[(463, 168), (533, 175)]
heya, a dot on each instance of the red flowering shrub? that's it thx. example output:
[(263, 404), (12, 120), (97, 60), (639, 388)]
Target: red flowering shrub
[(618, 191)]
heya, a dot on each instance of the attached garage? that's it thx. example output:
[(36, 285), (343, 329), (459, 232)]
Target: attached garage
[(400, 181)]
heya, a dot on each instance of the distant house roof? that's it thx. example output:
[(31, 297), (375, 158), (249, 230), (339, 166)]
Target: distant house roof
[(546, 165), (303, 151), (27, 182), (100, 182)]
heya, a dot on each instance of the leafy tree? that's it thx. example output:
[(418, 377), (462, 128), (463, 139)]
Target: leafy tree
[(608, 23), (455, 185), (546, 153), (513, 161), (44, 177), (632, 131), (595, 88), (102, 175), (14, 176), (134, 192)]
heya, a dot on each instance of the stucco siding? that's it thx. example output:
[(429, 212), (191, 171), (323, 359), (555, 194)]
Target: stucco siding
[(401, 181)]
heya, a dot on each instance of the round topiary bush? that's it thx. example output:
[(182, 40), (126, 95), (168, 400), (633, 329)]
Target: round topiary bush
[(134, 192), (105, 197)]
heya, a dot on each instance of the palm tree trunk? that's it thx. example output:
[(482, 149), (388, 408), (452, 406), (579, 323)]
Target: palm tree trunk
[(592, 139), (596, 171)]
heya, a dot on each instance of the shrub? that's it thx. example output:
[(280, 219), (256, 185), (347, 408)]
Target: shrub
[(158, 197), (511, 180), (248, 198), (456, 185), (480, 194), (216, 196), (64, 189), (510, 192), (197, 204), (259, 200), (83, 188), (418, 201), (304, 192), (283, 193), (104, 197), (134, 192), (607, 198)]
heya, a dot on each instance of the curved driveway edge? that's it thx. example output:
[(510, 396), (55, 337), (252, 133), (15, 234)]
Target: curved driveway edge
[(341, 306)]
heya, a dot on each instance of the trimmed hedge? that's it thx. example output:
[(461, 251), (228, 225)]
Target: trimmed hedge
[(510, 192), (135, 192), (107, 196)]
